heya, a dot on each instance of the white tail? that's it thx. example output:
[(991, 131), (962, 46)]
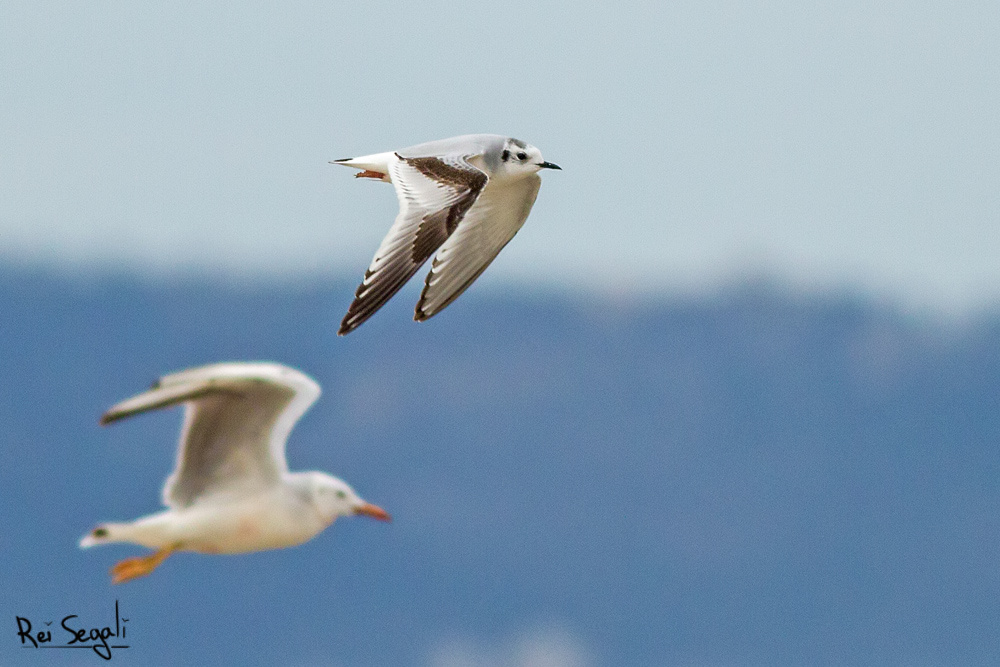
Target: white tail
[(378, 163)]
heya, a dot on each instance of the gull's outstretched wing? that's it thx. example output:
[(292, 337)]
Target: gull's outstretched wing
[(237, 419), (490, 224), (434, 195)]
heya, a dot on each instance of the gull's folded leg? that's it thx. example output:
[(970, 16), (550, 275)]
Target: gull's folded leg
[(368, 173), (140, 566)]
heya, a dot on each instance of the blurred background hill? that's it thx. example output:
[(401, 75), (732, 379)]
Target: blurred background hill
[(752, 476)]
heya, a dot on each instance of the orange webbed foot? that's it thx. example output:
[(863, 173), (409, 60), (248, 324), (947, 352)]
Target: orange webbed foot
[(140, 566)]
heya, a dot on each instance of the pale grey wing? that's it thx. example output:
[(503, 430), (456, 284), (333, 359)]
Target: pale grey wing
[(467, 144), (237, 420), (434, 194), (497, 215)]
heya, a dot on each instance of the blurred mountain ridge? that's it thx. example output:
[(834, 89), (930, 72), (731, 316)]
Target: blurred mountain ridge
[(745, 477)]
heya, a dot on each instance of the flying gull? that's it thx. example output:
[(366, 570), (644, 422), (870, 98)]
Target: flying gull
[(231, 491), (463, 198)]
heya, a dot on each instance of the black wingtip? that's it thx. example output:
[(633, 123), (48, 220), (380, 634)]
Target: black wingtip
[(343, 159), (107, 418)]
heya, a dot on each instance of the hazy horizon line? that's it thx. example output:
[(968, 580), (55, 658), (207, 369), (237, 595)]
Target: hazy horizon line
[(746, 282)]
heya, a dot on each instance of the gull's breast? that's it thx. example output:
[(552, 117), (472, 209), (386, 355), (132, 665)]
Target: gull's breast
[(253, 524)]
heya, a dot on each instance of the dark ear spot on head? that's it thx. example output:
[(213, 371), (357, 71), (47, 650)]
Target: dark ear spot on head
[(100, 532), (505, 155)]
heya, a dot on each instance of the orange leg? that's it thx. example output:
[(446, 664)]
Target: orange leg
[(133, 568), (368, 173)]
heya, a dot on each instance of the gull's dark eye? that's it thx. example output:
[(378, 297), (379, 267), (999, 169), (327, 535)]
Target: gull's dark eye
[(505, 155), (522, 156), (341, 495)]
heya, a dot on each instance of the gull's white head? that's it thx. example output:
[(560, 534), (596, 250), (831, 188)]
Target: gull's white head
[(333, 498), (518, 158)]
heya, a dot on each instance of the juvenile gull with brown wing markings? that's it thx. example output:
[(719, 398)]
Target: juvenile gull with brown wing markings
[(464, 198), (232, 491)]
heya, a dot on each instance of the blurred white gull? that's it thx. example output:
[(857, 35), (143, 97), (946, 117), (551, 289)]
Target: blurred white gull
[(231, 491)]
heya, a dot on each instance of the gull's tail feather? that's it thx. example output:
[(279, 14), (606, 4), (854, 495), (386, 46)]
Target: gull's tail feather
[(105, 534), (376, 163)]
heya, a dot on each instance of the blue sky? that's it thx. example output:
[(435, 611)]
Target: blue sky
[(841, 144)]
